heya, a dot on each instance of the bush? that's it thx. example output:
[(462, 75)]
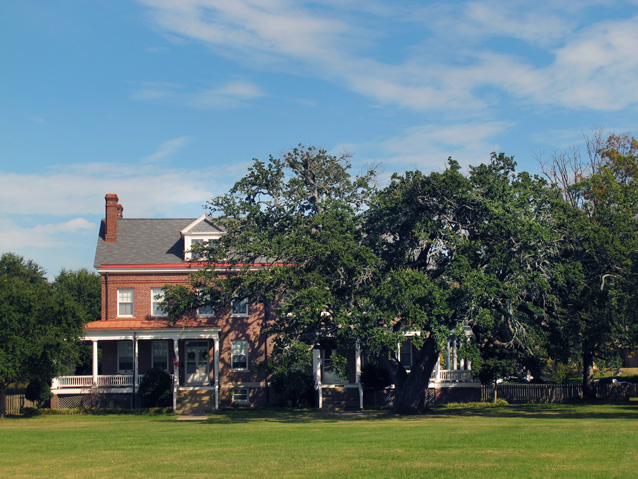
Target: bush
[(38, 391), (156, 388), (293, 388), (375, 376)]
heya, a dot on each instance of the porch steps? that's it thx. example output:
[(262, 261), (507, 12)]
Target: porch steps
[(195, 403), (340, 399)]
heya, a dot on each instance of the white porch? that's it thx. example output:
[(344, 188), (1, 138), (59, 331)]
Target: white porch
[(128, 383)]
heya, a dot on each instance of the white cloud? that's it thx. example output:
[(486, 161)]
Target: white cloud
[(16, 237), (228, 95), (593, 67), (166, 150), (79, 189), (427, 147)]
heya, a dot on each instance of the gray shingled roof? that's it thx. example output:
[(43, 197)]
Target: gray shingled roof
[(145, 241)]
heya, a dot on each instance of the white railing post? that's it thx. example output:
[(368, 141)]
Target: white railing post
[(95, 365), (216, 366)]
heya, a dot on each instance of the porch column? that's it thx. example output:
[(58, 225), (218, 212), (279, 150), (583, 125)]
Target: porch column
[(95, 356), (437, 369), (357, 362), (175, 371), (455, 357), (216, 366), (316, 369), (135, 369), (449, 364)]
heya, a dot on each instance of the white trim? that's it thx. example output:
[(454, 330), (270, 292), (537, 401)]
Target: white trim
[(127, 334), (163, 269)]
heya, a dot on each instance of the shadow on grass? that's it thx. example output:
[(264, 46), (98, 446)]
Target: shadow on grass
[(528, 411)]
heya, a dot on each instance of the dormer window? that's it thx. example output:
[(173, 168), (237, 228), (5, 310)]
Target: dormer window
[(197, 234)]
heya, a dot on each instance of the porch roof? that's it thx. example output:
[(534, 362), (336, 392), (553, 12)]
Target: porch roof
[(155, 323)]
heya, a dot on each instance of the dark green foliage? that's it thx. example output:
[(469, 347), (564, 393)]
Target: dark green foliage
[(38, 391), (39, 326), (156, 388), (293, 388), (375, 376)]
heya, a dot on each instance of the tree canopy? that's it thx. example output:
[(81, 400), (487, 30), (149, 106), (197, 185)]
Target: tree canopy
[(39, 327)]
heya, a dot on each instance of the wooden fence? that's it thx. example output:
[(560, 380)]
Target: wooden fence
[(545, 393), (15, 402)]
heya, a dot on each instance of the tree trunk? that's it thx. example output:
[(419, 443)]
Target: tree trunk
[(410, 397), (3, 400), (589, 391)]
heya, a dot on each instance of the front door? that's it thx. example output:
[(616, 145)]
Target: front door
[(196, 363)]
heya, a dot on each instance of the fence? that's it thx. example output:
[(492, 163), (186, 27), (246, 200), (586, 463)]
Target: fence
[(15, 402), (545, 393)]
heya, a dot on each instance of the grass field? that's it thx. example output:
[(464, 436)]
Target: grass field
[(561, 441)]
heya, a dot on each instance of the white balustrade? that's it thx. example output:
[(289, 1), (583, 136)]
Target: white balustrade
[(452, 375), (110, 381)]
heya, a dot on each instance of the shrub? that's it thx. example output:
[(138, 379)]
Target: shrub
[(293, 388), (156, 388), (38, 391)]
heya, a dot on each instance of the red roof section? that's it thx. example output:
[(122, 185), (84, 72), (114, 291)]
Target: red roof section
[(147, 324)]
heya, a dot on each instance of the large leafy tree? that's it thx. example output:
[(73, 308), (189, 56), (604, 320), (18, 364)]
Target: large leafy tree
[(39, 329), (459, 251), (299, 219), (599, 216)]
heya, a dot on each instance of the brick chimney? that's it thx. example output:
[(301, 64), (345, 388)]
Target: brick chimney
[(113, 212)]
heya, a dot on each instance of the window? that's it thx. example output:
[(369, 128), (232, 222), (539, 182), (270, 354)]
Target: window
[(159, 350), (239, 355), (125, 356), (329, 374), (196, 244), (240, 307), (206, 310), (405, 354), (157, 296), (240, 396), (125, 302)]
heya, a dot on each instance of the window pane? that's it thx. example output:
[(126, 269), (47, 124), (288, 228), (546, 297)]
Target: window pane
[(206, 310), (160, 354), (240, 395), (240, 307), (157, 295), (239, 354), (125, 356), (125, 302)]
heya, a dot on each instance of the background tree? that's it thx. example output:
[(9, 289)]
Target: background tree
[(461, 251), (39, 329), (598, 217)]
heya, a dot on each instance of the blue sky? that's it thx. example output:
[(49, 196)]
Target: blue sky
[(165, 102)]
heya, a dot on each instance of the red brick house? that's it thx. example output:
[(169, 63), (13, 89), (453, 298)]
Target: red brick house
[(211, 355)]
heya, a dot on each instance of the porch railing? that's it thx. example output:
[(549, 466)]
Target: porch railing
[(105, 381), (452, 375)]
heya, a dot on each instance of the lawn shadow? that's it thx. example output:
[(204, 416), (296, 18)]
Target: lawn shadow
[(531, 411)]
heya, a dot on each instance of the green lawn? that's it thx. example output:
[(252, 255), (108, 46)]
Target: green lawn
[(563, 441)]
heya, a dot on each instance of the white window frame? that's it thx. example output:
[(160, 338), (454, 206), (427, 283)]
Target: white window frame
[(244, 306), (120, 302), (156, 311), (159, 356), (241, 395), (239, 348), (120, 355)]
